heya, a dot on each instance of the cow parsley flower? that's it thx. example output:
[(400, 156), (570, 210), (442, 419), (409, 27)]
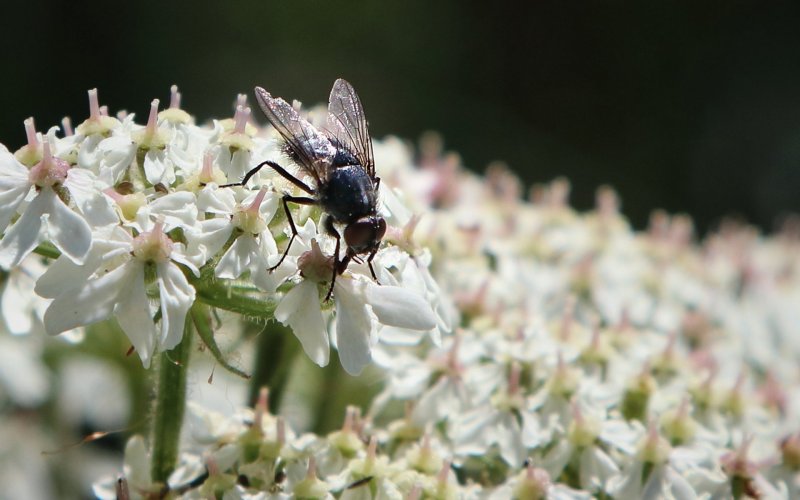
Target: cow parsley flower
[(123, 293), (46, 216)]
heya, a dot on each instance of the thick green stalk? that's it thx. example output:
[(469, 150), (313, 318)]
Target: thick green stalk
[(275, 351), (170, 404)]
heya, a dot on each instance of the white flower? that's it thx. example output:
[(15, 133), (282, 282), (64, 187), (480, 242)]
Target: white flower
[(355, 327), (135, 474), (46, 213), (122, 292)]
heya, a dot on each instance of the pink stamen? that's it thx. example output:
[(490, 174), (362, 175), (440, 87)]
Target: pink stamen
[(595, 342), (241, 100), (66, 125), (30, 133), (103, 110), (452, 356), (652, 432), (444, 471), (94, 105), (262, 407), (258, 200), (372, 449), (240, 119), (211, 465), (152, 120), (311, 473), (174, 97), (513, 378), (114, 195), (415, 493), (348, 420), (280, 430), (207, 172), (47, 156), (567, 317), (575, 409)]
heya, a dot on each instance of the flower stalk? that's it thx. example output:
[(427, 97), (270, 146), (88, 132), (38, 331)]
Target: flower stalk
[(170, 404)]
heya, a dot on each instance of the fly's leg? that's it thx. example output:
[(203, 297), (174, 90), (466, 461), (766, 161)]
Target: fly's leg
[(339, 266), (280, 170), (369, 263), (300, 200)]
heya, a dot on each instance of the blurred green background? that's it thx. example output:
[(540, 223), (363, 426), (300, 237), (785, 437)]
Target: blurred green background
[(690, 106)]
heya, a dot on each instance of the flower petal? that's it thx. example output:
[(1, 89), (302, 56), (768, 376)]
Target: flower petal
[(133, 312), (68, 231), (237, 259), (300, 310), (177, 296), (25, 234), (87, 193), (91, 303), (14, 185), (353, 327), (157, 169), (396, 306)]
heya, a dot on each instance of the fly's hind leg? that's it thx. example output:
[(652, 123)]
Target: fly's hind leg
[(300, 200), (277, 168)]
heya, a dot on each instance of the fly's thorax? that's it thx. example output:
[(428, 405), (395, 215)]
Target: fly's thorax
[(348, 194)]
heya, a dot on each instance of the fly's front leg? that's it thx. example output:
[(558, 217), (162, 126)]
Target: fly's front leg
[(277, 168), (369, 263), (300, 200), (338, 265)]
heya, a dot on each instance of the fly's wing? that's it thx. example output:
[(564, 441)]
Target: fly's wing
[(348, 126), (312, 149)]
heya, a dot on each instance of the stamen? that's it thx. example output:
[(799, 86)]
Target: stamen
[(66, 125), (372, 449), (567, 317), (258, 200), (47, 156), (174, 97), (444, 471), (207, 171), (30, 133), (94, 105), (311, 473), (262, 407), (280, 430), (152, 120), (513, 378), (240, 119)]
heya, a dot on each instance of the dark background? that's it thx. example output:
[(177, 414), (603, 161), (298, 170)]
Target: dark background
[(692, 107)]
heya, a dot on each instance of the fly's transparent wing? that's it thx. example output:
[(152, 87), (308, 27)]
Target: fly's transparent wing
[(312, 149), (348, 125)]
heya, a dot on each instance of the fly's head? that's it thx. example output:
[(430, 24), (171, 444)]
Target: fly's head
[(365, 234)]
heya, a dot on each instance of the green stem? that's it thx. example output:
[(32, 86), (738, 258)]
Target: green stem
[(219, 295), (276, 348), (170, 405), (201, 318)]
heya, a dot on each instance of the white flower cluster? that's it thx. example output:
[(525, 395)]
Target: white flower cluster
[(141, 229), (590, 361), (566, 355)]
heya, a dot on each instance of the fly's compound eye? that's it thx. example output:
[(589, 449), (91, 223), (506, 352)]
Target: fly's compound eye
[(364, 235), (381, 230)]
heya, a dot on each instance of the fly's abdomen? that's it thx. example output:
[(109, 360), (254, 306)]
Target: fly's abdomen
[(348, 194)]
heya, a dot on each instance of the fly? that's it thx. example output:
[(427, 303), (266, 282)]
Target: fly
[(340, 161)]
